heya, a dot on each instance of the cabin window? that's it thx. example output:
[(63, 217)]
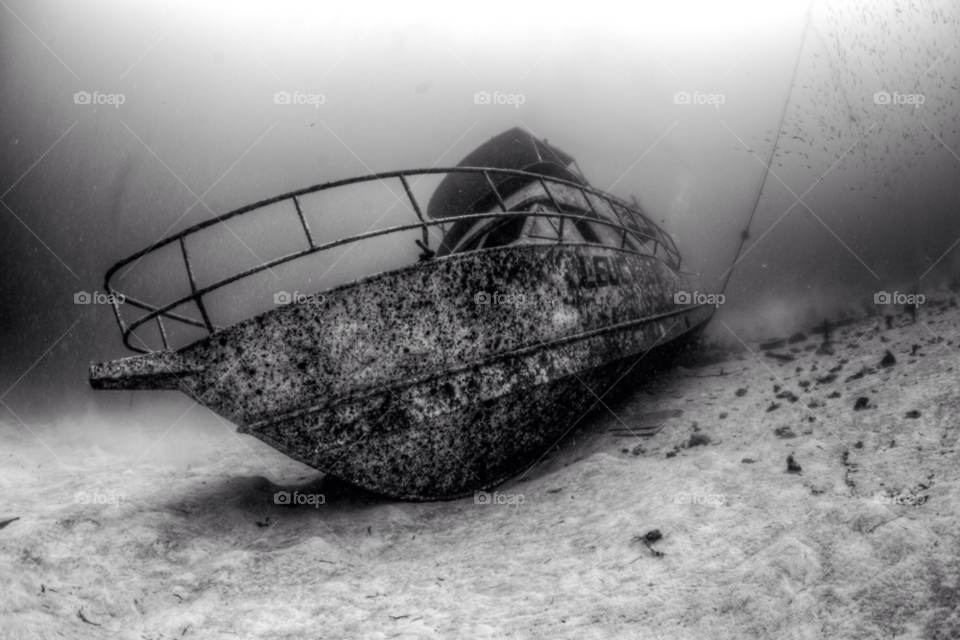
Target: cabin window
[(606, 235), (586, 227), (571, 232), (544, 228), (588, 231), (598, 209), (499, 232), (504, 232), (580, 229), (471, 242)]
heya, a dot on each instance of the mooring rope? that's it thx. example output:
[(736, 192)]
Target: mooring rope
[(756, 200)]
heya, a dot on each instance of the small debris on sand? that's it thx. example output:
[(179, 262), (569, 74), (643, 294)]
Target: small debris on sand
[(782, 357), (649, 538), (648, 425), (792, 466), (913, 414), (84, 618), (652, 536), (888, 360), (773, 407), (741, 392), (4, 523), (863, 372), (862, 403), (784, 432), (698, 439), (788, 395)]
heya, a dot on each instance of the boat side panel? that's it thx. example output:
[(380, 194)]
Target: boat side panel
[(402, 325), (445, 437)]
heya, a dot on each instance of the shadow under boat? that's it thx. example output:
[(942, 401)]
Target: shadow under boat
[(452, 374)]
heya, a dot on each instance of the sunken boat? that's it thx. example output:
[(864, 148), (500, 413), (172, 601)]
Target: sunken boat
[(532, 294)]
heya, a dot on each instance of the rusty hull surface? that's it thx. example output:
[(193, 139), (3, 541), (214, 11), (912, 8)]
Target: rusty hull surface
[(407, 384)]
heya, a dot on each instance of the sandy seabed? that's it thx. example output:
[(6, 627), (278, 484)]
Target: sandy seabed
[(131, 532)]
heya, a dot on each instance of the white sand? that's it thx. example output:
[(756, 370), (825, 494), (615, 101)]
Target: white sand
[(198, 549)]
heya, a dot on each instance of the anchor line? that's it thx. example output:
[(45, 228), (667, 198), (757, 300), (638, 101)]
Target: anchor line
[(763, 180)]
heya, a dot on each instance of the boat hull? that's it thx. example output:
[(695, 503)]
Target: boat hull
[(439, 379), (450, 436)]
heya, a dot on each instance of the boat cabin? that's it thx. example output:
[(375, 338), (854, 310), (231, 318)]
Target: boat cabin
[(517, 201)]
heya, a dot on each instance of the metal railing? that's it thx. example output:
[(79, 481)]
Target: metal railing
[(631, 223)]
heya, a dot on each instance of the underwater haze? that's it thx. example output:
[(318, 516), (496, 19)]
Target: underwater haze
[(122, 123)]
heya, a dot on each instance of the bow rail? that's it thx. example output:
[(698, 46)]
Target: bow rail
[(630, 223)]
